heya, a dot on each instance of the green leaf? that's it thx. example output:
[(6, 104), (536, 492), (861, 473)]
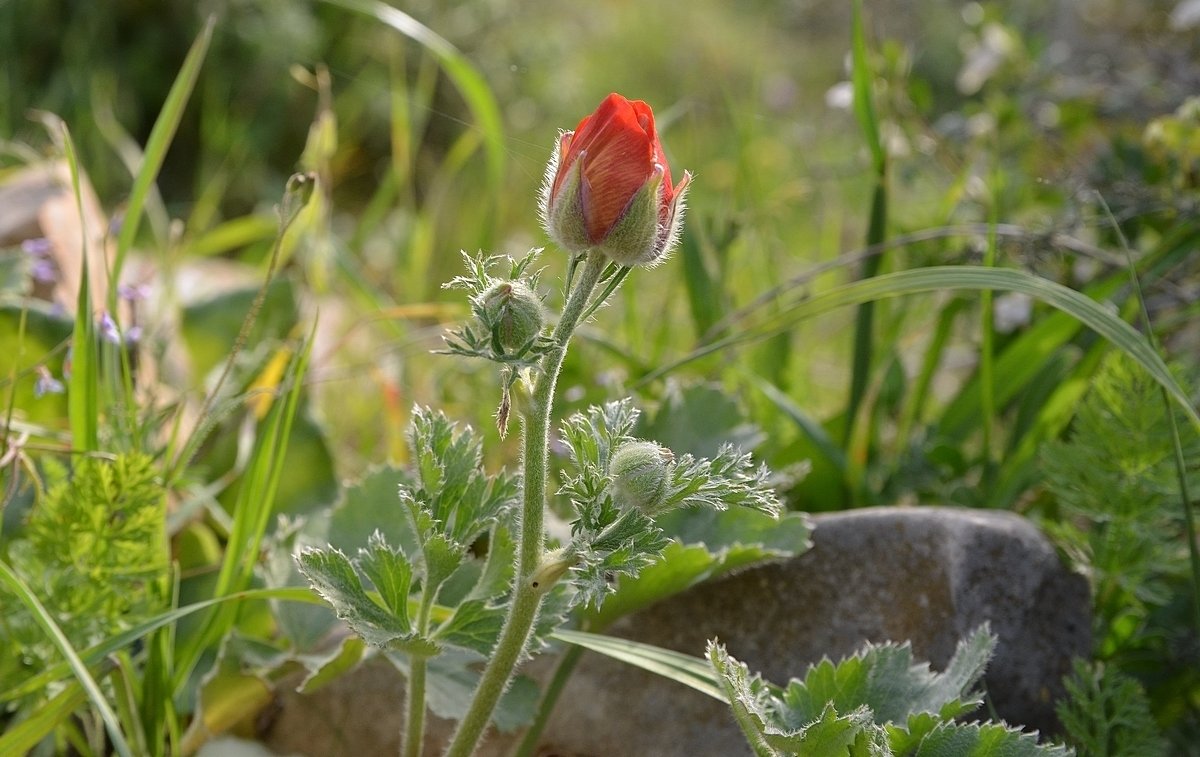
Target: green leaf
[(43, 618), (21, 736), (627, 543), (453, 496), (755, 707), (466, 78), (885, 679), (748, 697), (862, 81), (728, 480), (97, 652), (982, 740), (496, 576), (390, 572), (371, 505), (474, 626), (593, 435), (323, 669), (333, 577)]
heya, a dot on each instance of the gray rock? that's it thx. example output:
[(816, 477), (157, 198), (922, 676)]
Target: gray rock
[(926, 575)]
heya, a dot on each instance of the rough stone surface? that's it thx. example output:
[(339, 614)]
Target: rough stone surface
[(926, 575)]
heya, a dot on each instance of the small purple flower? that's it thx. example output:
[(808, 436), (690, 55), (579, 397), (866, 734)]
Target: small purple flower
[(134, 292), (46, 383), (108, 328), (39, 247), (133, 334), (44, 271)]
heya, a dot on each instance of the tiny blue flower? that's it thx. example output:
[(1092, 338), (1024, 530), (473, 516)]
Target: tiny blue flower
[(46, 383)]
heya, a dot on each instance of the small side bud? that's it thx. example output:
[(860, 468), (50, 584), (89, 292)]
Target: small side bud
[(640, 472), (554, 565), (513, 312)]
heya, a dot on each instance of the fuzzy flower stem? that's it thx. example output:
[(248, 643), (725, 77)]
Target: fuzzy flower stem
[(526, 601), (414, 722)]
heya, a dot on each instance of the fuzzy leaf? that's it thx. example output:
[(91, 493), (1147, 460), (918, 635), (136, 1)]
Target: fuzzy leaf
[(391, 573), (727, 480), (474, 626), (885, 679), (370, 505), (627, 544), (982, 740), (453, 501), (333, 577), (755, 708)]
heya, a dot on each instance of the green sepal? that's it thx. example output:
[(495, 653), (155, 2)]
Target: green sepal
[(633, 239), (565, 220)]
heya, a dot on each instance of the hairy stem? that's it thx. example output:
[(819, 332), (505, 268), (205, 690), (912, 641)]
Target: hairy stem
[(414, 722), (526, 601)]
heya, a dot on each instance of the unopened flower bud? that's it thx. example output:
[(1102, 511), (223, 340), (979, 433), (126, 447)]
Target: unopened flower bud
[(640, 473), (553, 566), (609, 186), (514, 312)]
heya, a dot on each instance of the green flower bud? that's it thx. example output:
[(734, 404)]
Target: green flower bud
[(640, 473), (514, 312), (554, 565)]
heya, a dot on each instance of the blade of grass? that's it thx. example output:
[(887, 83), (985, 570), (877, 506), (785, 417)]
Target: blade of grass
[(943, 278), (156, 150), (861, 82), (693, 672), (43, 618), (987, 386), (83, 388), (25, 735), (864, 111)]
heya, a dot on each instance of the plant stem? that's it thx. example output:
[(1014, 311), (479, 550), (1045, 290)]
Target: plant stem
[(414, 723), (526, 601), (562, 672)]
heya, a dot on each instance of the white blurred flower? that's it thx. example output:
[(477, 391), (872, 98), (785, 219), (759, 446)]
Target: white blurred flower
[(1011, 311), (840, 96)]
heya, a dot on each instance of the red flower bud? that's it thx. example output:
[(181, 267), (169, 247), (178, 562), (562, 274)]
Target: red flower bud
[(609, 187)]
